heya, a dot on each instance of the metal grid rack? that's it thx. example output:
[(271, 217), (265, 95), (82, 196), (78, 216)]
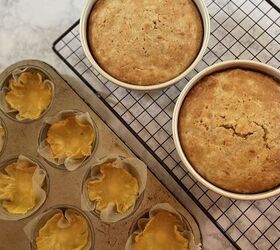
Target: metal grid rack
[(240, 29)]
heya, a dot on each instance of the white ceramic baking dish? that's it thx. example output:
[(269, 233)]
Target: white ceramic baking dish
[(212, 69), (83, 33)]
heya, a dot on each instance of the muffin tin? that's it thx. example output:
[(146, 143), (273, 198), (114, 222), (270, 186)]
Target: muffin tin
[(66, 186)]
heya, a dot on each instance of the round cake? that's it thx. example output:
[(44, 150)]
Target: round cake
[(145, 42), (229, 129)]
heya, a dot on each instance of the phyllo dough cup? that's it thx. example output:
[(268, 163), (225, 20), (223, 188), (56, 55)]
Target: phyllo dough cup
[(83, 123), (9, 190), (26, 94), (139, 226), (135, 167), (65, 220)]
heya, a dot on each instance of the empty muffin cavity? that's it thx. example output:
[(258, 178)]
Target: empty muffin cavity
[(26, 94), (160, 214), (113, 188), (24, 187), (66, 220), (68, 139)]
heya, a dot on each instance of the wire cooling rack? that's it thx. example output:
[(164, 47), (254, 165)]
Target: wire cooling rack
[(240, 29)]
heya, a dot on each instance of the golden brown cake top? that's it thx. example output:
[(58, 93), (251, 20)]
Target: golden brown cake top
[(229, 129), (145, 42)]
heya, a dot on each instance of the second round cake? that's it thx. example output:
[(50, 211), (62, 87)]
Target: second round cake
[(229, 129)]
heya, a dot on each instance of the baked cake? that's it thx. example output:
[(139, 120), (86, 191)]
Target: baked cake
[(145, 42), (229, 129)]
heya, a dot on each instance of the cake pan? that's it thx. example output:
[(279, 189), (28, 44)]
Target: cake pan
[(244, 64), (83, 34)]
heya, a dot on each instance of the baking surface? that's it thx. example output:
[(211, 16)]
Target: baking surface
[(65, 186)]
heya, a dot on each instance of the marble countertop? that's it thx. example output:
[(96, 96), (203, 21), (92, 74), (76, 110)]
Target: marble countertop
[(29, 27), (27, 30)]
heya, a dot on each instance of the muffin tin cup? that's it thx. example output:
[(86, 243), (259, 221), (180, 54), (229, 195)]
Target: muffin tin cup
[(139, 225), (4, 106), (136, 167), (243, 64), (33, 227), (40, 186), (206, 34), (44, 148)]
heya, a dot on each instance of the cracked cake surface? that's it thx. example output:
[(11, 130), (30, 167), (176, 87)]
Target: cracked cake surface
[(145, 42), (229, 129)]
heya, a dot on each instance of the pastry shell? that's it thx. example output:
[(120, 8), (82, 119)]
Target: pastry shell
[(33, 227), (134, 166), (139, 226), (69, 163), (40, 185), (13, 76)]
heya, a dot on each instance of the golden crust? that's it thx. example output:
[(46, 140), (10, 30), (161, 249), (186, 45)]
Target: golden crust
[(229, 129), (29, 95), (61, 232), (163, 231), (17, 192), (145, 42), (115, 186), (70, 137)]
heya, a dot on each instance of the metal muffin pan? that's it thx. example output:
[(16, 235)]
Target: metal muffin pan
[(65, 186)]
